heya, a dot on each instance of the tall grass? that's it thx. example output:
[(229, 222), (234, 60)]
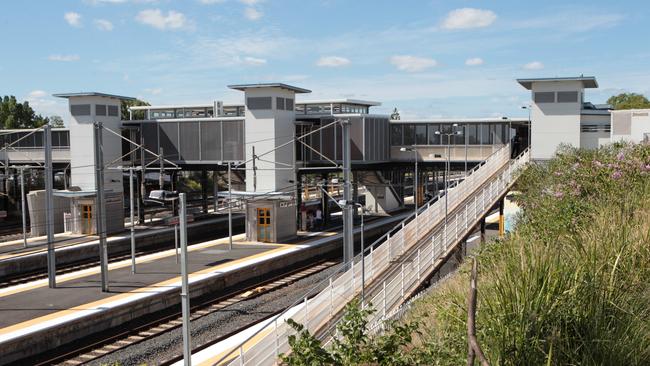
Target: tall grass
[(571, 286)]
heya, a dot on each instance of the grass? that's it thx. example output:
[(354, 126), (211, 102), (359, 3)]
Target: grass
[(571, 285)]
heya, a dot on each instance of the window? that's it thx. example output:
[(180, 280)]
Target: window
[(259, 103), (433, 138), (288, 104), (112, 111), (396, 135), (100, 109), (486, 137), (544, 97), (409, 135), (473, 137), (567, 97), (279, 103), (421, 134), (80, 109)]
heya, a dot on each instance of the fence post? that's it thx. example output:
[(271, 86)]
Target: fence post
[(402, 280), (390, 247), (241, 354), (384, 306), (277, 341), (418, 263), (306, 314)]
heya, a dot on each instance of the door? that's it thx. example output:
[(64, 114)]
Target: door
[(86, 219), (264, 225)]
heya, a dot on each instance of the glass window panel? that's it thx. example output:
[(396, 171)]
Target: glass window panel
[(472, 134), (396, 135), (486, 138), (421, 134), (433, 138), (409, 135)]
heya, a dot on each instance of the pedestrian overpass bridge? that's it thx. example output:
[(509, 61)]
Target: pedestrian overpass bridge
[(395, 266)]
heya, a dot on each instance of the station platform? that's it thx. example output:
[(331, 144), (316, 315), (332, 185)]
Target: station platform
[(15, 259), (35, 318)]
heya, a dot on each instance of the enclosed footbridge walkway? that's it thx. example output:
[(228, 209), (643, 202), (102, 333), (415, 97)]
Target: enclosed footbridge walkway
[(394, 267)]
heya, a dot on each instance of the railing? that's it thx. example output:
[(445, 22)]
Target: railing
[(394, 265)]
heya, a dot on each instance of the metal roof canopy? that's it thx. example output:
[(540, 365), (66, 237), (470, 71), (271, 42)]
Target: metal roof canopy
[(243, 87), (92, 94), (587, 81)]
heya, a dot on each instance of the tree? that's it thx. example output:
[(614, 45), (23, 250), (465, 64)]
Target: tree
[(629, 101), (56, 122), (133, 103), (18, 115)]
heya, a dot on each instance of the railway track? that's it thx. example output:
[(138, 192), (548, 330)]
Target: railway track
[(157, 327)]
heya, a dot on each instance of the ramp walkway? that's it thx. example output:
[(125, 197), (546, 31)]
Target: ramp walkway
[(394, 266)]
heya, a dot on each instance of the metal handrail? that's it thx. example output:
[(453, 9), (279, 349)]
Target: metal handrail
[(402, 225)]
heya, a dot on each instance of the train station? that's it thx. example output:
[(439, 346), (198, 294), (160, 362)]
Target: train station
[(285, 183)]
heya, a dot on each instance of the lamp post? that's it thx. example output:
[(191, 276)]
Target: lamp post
[(363, 257), (448, 163), (528, 107), (415, 176)]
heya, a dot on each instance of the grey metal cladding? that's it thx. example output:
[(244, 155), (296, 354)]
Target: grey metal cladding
[(279, 103), (259, 103), (211, 140), (169, 139), (288, 104), (622, 123), (189, 137), (80, 109), (544, 97), (233, 140), (113, 111), (567, 97), (150, 134), (100, 109)]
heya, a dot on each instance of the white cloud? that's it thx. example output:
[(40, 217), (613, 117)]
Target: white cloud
[(63, 58), (209, 2), (474, 61), (535, 65), (412, 63), (74, 19), (252, 13), (466, 18), (254, 61), (36, 94), (103, 24), (158, 20), (153, 91), (250, 2), (332, 61)]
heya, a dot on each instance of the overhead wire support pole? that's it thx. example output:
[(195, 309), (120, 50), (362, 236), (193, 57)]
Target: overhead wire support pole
[(229, 208), (23, 213), (100, 210), (348, 239), (49, 207), (185, 296), (132, 219)]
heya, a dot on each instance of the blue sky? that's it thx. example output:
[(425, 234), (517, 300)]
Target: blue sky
[(429, 58)]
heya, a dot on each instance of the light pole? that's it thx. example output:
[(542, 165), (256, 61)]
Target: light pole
[(363, 257), (528, 107), (448, 163), (415, 176)]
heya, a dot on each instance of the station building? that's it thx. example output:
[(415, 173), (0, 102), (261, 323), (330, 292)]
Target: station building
[(282, 147)]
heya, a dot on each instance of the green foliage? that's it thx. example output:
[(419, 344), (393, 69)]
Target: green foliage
[(353, 345), (18, 115), (139, 115), (628, 101), (570, 285), (56, 122)]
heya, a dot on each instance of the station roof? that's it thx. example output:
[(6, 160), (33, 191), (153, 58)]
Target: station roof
[(91, 94), (368, 103), (587, 81), (180, 106), (294, 89)]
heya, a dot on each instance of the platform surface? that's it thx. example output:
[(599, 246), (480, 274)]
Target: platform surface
[(16, 248)]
